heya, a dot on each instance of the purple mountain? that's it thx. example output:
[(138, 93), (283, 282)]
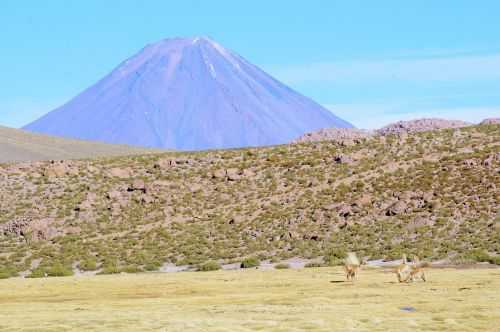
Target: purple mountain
[(187, 94)]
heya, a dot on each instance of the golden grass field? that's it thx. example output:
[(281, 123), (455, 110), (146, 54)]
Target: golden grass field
[(254, 300)]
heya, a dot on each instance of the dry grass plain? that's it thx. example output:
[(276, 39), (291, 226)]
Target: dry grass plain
[(315, 299)]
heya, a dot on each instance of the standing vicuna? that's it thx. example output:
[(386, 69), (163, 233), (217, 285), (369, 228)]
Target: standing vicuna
[(403, 270), (417, 270), (351, 266), (406, 272)]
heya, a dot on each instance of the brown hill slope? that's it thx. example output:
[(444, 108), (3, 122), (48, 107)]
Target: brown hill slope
[(20, 145), (433, 193)]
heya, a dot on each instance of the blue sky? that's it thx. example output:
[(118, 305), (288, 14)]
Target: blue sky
[(370, 62)]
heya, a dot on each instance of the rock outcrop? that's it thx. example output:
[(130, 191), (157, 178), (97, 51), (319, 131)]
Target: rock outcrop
[(350, 136), (344, 136), (490, 121), (419, 125), (30, 228)]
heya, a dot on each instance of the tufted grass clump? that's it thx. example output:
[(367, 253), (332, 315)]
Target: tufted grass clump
[(58, 270), (37, 273), (314, 264), (209, 266), (89, 264), (334, 256), (7, 272), (110, 268)]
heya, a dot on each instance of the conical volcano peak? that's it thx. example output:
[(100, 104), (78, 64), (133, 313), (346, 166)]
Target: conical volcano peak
[(206, 41), (178, 48), (168, 54), (188, 94), (202, 43), (201, 39), (183, 42)]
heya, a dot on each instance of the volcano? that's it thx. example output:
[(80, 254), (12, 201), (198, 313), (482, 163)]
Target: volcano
[(187, 94)]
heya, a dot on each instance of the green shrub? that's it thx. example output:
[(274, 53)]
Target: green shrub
[(477, 255), (110, 268), (282, 266), (250, 262), (334, 256), (332, 261), (37, 273), (7, 272), (494, 260), (131, 269), (209, 266), (314, 264), (59, 270), (152, 266), (89, 264)]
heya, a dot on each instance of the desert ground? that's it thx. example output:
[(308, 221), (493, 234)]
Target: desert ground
[(312, 299)]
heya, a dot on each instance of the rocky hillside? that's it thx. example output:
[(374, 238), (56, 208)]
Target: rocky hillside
[(490, 121), (20, 145), (346, 135), (432, 193), (420, 125), (350, 135)]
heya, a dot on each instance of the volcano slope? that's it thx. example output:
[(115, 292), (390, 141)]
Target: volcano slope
[(434, 194), (187, 94)]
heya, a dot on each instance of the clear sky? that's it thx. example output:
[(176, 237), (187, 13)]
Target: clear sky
[(370, 62)]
